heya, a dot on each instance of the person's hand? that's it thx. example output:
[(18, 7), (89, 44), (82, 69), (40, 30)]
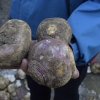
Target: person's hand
[(24, 63), (24, 66), (75, 73)]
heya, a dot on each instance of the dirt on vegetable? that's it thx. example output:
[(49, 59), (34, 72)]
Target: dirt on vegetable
[(49, 63), (15, 39), (54, 28)]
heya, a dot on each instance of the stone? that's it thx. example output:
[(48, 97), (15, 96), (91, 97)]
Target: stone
[(4, 82)]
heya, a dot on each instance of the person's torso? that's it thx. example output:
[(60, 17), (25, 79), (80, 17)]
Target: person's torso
[(34, 11)]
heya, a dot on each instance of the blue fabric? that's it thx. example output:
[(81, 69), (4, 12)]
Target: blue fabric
[(34, 11), (84, 21), (75, 50), (85, 24)]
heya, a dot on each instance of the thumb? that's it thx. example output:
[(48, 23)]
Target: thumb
[(24, 65), (75, 73)]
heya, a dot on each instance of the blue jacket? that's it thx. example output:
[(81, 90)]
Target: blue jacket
[(84, 20)]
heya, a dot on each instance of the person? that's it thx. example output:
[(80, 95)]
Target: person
[(84, 18)]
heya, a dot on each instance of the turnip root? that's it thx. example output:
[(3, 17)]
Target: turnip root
[(15, 38), (49, 63), (95, 68), (54, 28), (46, 64)]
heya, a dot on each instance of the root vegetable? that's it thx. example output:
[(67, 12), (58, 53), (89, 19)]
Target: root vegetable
[(15, 38), (49, 63), (54, 28), (57, 28), (95, 68)]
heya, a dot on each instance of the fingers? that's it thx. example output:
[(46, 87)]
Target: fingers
[(24, 65), (75, 73)]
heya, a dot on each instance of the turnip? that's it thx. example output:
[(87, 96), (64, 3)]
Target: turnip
[(54, 28), (15, 38), (49, 63)]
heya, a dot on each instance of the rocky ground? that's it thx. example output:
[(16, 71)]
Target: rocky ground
[(13, 85), (89, 89)]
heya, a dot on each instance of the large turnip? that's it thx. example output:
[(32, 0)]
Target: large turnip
[(49, 63), (15, 38)]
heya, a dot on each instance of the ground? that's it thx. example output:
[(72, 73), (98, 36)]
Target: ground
[(90, 87)]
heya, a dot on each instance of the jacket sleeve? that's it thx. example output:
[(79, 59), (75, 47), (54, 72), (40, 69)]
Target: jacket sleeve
[(85, 24)]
